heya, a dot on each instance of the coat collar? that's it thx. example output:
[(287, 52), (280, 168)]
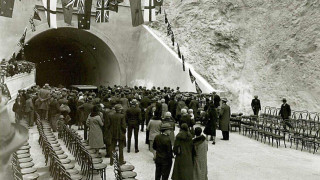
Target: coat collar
[(199, 140)]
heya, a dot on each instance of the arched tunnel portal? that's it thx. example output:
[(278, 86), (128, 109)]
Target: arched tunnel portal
[(69, 56)]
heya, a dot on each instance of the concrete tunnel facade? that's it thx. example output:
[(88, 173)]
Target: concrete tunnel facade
[(123, 54)]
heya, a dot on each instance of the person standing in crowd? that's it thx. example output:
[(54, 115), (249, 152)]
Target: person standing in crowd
[(80, 114), (86, 108), (17, 109), (163, 147), (186, 118), (133, 118), (149, 114), (154, 127), (164, 107), (144, 104), (65, 110), (172, 106), (200, 168), (106, 132), (224, 122), (180, 105), (29, 110), (211, 126), (54, 111), (43, 101), (285, 113), (255, 105), (169, 120), (117, 129), (94, 122), (194, 105), (184, 150), (124, 102)]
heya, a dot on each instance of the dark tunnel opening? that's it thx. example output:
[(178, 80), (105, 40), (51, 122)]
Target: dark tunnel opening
[(70, 56)]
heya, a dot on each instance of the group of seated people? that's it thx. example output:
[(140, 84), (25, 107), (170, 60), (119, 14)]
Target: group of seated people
[(108, 114), (13, 67)]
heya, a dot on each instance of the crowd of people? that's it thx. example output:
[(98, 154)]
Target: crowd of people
[(13, 67), (110, 115)]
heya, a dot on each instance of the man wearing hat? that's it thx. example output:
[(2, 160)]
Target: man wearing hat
[(255, 105), (133, 119), (43, 101), (86, 108), (117, 127), (285, 113), (224, 121), (163, 147)]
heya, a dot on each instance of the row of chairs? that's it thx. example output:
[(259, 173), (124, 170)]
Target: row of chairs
[(22, 163), (60, 167), (274, 128), (89, 160)]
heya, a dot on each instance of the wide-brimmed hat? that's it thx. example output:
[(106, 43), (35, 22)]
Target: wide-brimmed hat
[(224, 99), (12, 136), (167, 115), (284, 99), (118, 107), (255, 96), (165, 126)]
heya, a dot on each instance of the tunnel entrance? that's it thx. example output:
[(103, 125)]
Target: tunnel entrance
[(69, 56)]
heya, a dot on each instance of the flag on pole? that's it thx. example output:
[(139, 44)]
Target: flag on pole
[(67, 6), (179, 53), (169, 30), (165, 17), (20, 55), (149, 11), (50, 7), (113, 5), (198, 88), (172, 39), (81, 6), (33, 27), (6, 8), (191, 76), (157, 2), (183, 67), (102, 12), (136, 12), (84, 19), (36, 14), (22, 39)]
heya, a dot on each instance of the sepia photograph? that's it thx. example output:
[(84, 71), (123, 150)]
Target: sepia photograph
[(160, 90)]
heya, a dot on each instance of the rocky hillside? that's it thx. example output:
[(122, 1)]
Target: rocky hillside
[(251, 47)]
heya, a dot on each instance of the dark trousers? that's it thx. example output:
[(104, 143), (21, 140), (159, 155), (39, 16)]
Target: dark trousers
[(143, 115), (113, 147), (136, 131), (163, 171), (256, 112), (108, 149), (225, 135), (85, 134), (286, 123), (43, 114), (147, 137)]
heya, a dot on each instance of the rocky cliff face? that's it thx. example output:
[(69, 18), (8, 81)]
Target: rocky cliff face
[(245, 47)]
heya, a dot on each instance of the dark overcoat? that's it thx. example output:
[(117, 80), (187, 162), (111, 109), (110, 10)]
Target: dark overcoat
[(184, 151)]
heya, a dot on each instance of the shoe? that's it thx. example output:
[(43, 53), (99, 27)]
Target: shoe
[(213, 143), (111, 164), (122, 163), (128, 151), (137, 150), (141, 130), (107, 156)]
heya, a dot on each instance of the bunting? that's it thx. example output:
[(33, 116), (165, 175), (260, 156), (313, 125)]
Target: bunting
[(179, 53), (183, 66), (193, 79), (172, 39), (136, 12), (6, 8), (36, 14), (149, 11), (102, 12), (113, 5), (80, 5), (84, 19), (157, 2), (50, 7), (76, 3), (67, 6), (32, 25), (22, 39), (169, 30), (165, 17), (198, 88)]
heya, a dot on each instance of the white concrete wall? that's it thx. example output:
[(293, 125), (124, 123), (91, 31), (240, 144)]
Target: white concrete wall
[(20, 81)]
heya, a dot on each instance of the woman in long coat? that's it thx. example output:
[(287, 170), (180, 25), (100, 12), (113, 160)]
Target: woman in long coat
[(211, 126), (184, 151), (94, 122), (200, 168)]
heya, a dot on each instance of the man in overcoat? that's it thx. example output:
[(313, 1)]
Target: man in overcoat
[(224, 121), (285, 113), (255, 105), (117, 127), (133, 119)]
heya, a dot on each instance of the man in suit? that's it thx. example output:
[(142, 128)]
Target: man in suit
[(224, 122), (285, 113), (117, 127), (87, 108), (133, 119), (256, 106), (144, 104), (43, 101)]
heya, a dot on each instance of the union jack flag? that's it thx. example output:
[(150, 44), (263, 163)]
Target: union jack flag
[(198, 88), (102, 12), (81, 6), (33, 26), (70, 4)]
